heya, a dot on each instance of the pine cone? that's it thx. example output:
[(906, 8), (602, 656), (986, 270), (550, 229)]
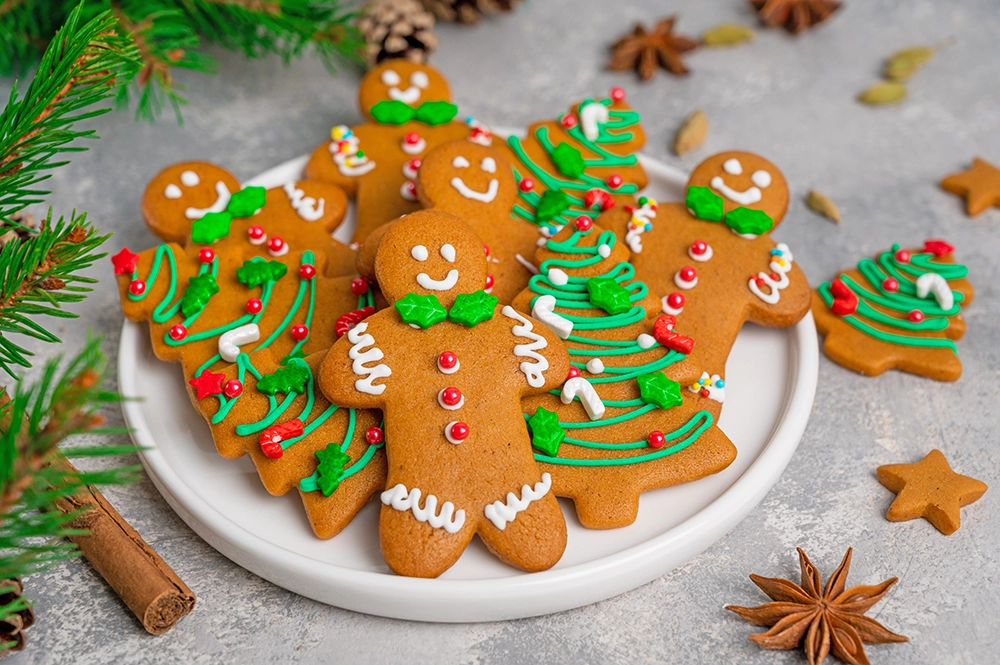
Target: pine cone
[(396, 29), (12, 630), (468, 11)]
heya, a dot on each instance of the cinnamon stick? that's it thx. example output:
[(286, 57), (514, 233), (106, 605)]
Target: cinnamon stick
[(147, 585)]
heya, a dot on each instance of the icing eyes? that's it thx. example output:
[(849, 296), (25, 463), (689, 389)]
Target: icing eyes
[(761, 178), (172, 191), (448, 252), (733, 167), (489, 165), (460, 162), (188, 179), (419, 79), (390, 77), (419, 253)]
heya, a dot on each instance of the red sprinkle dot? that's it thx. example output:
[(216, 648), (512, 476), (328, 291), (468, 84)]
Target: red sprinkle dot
[(688, 274), (447, 360), (526, 185), (451, 396), (415, 163), (486, 248), (617, 94), (178, 332), (890, 284), (307, 271), (614, 181), (254, 305), (568, 121), (412, 138), (374, 436), (759, 280), (774, 276), (583, 223), (275, 244), (359, 286), (206, 255), (233, 388), (916, 316), (459, 430), (137, 287), (573, 373), (299, 332), (902, 256), (705, 392), (489, 281), (411, 187), (656, 439), (699, 247), (255, 232), (676, 300)]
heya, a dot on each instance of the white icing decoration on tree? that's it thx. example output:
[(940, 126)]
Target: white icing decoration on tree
[(591, 117), (582, 388), (231, 340), (544, 311), (933, 283)]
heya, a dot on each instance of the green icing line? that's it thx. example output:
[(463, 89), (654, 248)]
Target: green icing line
[(307, 258), (160, 315), (620, 418)]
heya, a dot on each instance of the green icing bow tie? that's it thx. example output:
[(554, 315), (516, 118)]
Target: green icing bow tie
[(396, 112), (707, 205), (214, 226), (469, 309)]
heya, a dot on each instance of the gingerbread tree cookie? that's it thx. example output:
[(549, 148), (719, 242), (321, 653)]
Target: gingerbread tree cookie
[(712, 256), (409, 111), (449, 367), (899, 311), (619, 425)]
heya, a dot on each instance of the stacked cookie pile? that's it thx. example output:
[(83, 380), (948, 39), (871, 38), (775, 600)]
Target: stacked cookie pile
[(513, 321)]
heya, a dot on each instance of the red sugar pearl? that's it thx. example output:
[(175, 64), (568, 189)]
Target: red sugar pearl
[(489, 281), (255, 232), (415, 163), (688, 273), (233, 388), (137, 287), (614, 181), (206, 255), (300, 331), (526, 184), (359, 286), (374, 436), (617, 94), (890, 284), (459, 431), (583, 223), (902, 256), (486, 248), (254, 305), (676, 300), (275, 244), (699, 247), (307, 271), (915, 315), (451, 396), (705, 392), (178, 332), (412, 138), (573, 373), (656, 439), (447, 360), (568, 121)]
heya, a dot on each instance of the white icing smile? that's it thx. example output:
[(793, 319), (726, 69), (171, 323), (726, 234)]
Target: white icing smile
[(761, 179), (449, 282), (221, 201), (410, 95), (469, 193)]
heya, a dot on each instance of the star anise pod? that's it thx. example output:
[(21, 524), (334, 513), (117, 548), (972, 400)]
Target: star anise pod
[(795, 15), (822, 620), (643, 51)]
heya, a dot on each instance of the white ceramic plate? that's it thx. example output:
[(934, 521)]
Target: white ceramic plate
[(224, 502)]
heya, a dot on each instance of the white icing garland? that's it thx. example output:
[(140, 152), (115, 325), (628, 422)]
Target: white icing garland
[(403, 500), (639, 224), (502, 513), (533, 371), (359, 357), (781, 263), (306, 207)]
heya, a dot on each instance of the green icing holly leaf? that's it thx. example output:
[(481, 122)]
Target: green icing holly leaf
[(704, 204), (609, 295), (246, 202), (554, 203), (546, 433), (289, 379), (211, 227), (392, 112), (657, 389), (330, 469), (749, 221), (423, 311), (473, 308), (200, 289), (436, 113), (255, 272), (569, 161)]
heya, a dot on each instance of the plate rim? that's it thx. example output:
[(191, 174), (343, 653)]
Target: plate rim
[(520, 596)]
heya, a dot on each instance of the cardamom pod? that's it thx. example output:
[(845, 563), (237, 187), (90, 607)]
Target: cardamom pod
[(883, 93), (902, 64), (692, 133), (822, 204), (727, 34)]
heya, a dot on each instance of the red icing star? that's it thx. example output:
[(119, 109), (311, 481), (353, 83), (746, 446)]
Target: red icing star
[(208, 384), (125, 262), (938, 247)]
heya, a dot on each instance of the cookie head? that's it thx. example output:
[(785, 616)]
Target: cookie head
[(430, 253), (183, 193), (402, 81), (744, 180), (462, 175)]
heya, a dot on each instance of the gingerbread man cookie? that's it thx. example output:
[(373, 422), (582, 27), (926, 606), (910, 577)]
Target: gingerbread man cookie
[(620, 425), (448, 367), (899, 311), (409, 111), (712, 256)]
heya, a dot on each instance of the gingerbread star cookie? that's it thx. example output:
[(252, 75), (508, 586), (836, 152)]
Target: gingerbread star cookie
[(980, 185), (929, 489)]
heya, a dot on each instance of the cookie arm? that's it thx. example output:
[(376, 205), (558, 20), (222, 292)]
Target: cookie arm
[(779, 296), (322, 167), (537, 352), (354, 372), (160, 276)]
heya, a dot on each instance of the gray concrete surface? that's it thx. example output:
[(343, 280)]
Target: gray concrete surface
[(791, 99)]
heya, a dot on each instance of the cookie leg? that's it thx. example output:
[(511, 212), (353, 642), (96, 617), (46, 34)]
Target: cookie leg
[(531, 537), (418, 548)]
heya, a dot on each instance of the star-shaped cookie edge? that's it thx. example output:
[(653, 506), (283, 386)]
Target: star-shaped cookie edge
[(978, 196)]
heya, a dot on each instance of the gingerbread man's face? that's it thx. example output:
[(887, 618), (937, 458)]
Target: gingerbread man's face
[(402, 81), (183, 193), (744, 180), (461, 174), (430, 253)]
